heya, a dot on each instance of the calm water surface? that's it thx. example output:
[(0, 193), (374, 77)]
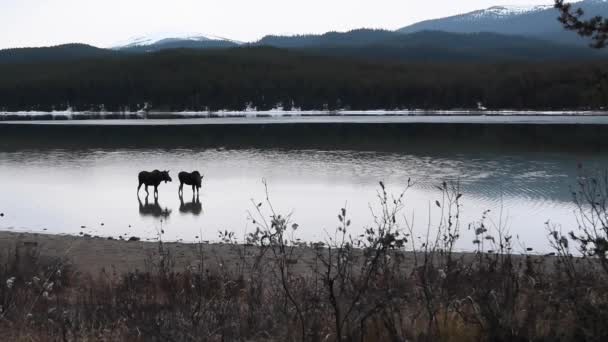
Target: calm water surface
[(60, 190)]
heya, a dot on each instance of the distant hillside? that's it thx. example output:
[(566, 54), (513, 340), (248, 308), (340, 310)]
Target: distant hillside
[(533, 21), (52, 53), (182, 44), (430, 46), (498, 33), (359, 37)]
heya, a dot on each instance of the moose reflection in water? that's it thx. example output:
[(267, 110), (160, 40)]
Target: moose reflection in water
[(153, 209), (153, 178), (195, 207), (194, 179)]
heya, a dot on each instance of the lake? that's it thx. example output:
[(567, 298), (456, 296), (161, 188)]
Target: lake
[(61, 177)]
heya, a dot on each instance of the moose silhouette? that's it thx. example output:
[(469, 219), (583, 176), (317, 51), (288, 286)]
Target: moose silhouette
[(189, 178), (153, 178)]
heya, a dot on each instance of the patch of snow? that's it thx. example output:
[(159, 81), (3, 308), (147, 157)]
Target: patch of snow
[(212, 37), (280, 112), (505, 11)]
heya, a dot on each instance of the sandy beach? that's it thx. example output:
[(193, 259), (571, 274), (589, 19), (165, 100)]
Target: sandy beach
[(95, 254)]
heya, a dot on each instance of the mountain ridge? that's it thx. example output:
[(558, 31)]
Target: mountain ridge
[(537, 21), (61, 52), (496, 33), (361, 44)]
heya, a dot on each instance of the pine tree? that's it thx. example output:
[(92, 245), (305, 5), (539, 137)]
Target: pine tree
[(594, 27)]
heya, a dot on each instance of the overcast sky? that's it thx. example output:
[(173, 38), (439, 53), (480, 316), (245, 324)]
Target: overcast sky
[(106, 22)]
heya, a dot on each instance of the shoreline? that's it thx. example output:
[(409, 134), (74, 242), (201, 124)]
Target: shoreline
[(436, 119), (93, 255), (64, 117)]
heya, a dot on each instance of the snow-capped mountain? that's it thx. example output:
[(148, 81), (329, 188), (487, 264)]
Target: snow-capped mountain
[(498, 12), (539, 21), (159, 41)]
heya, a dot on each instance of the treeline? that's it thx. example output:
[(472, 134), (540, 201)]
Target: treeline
[(435, 46), (264, 78)]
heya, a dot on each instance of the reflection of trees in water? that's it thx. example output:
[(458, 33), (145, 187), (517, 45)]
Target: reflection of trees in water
[(435, 134), (153, 209)]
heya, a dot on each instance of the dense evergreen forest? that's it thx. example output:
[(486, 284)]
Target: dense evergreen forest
[(263, 77)]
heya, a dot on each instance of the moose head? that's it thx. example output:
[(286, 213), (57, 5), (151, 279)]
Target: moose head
[(164, 176)]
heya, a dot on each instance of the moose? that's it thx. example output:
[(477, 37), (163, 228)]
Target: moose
[(194, 179), (153, 178)]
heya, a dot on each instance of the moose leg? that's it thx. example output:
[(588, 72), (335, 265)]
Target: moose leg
[(193, 189), (147, 193), (139, 187), (181, 188), (156, 191)]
